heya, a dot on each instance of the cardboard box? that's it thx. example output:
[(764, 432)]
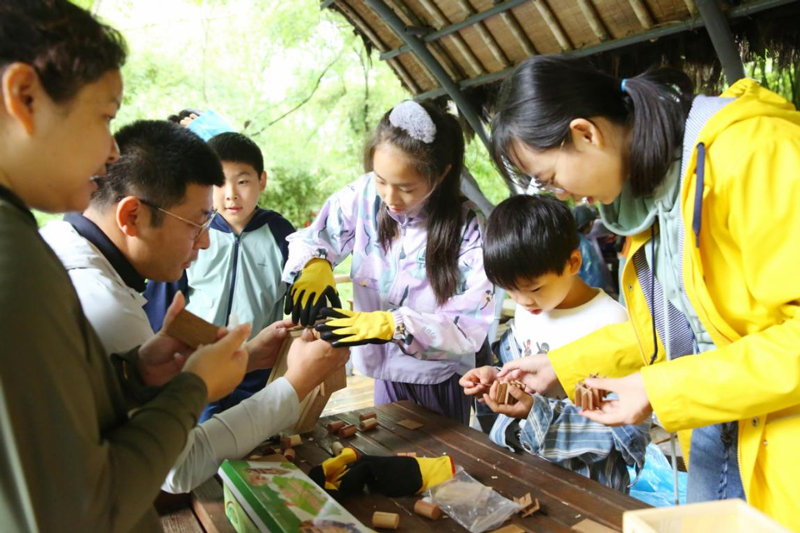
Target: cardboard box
[(730, 516), (278, 497)]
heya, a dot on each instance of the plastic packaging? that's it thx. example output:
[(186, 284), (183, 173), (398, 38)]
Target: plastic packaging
[(654, 485), (473, 505), (209, 124)]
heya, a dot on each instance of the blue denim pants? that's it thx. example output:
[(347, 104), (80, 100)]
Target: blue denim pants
[(714, 464)]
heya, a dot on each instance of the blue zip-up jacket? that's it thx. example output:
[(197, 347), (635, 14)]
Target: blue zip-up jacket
[(237, 273)]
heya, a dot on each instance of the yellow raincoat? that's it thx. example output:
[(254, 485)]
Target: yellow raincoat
[(744, 283)]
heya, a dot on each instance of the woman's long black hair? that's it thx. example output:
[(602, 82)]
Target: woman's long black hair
[(443, 206), (545, 93)]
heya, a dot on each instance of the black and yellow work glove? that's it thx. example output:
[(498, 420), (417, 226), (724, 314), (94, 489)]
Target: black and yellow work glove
[(348, 474), (352, 328), (313, 290)]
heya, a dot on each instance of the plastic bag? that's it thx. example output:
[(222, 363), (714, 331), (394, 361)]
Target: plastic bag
[(655, 483), (209, 124), (473, 505)]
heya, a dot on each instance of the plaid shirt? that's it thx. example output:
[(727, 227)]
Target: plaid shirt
[(554, 430)]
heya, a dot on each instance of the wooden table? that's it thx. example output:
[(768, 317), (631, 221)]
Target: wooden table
[(566, 498)]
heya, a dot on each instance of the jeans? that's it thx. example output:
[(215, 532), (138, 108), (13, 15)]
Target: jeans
[(714, 464)]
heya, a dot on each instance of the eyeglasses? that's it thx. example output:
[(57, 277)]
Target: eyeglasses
[(202, 228), (537, 184)]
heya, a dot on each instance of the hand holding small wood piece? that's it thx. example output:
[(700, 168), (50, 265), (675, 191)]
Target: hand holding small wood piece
[(587, 397)]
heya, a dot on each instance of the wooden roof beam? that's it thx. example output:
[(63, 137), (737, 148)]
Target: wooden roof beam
[(486, 35), (364, 28), (642, 13), (590, 13), (499, 8), (451, 88), (519, 33), (553, 23), (441, 21), (656, 33)]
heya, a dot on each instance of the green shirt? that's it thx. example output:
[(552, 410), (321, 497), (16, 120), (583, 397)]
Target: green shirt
[(71, 459)]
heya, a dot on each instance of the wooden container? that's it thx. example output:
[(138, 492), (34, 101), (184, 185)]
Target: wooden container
[(730, 516)]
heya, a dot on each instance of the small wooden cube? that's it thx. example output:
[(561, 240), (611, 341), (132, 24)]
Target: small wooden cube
[(385, 520)]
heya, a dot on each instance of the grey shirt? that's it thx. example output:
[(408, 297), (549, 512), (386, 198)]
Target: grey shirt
[(71, 459)]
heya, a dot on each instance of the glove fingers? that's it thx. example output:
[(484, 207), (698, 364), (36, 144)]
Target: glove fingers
[(306, 316), (330, 312), (296, 311), (288, 302), (333, 297)]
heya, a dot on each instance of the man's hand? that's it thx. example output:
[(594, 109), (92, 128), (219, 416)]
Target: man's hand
[(631, 407), (263, 349), (536, 372), (310, 361), (517, 410), (477, 381), (162, 357), (221, 365)]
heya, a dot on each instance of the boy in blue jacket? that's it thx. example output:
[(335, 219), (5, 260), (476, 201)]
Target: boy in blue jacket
[(240, 272)]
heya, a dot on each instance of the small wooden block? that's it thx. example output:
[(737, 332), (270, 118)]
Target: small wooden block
[(290, 454), (502, 390), (337, 448), (333, 427), (590, 526), (385, 520), (192, 330), (410, 424), (428, 510), (291, 441), (347, 431), (367, 416), (368, 424), (529, 505), (406, 454), (511, 528)]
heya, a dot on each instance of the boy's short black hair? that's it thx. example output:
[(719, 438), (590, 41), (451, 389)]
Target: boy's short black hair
[(238, 148), (158, 160), (528, 237)]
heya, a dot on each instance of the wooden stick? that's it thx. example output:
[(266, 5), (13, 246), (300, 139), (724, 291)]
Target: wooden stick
[(385, 520)]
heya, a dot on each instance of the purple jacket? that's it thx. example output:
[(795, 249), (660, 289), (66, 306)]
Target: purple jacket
[(439, 340)]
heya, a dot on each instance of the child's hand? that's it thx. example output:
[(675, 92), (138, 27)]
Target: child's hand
[(521, 409), (477, 381), (536, 372)]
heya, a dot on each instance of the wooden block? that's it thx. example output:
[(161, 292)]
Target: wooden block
[(368, 424), (385, 520), (314, 403), (500, 396), (290, 454), (347, 431), (428, 510), (192, 330), (291, 441), (337, 448), (410, 424), (511, 528), (406, 454), (529, 505), (333, 427), (590, 526), (366, 416)]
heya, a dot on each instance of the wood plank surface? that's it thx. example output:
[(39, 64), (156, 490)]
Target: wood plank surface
[(566, 498)]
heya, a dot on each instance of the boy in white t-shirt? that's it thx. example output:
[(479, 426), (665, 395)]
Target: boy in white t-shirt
[(531, 250)]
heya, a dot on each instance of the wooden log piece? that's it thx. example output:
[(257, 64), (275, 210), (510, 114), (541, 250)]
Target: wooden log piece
[(385, 520), (290, 454), (347, 431), (367, 416), (291, 441), (428, 510), (368, 424), (333, 427), (337, 448)]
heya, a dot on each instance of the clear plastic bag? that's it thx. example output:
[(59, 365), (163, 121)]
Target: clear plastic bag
[(473, 505)]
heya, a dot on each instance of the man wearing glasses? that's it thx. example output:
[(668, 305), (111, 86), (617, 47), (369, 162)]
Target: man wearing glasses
[(148, 220)]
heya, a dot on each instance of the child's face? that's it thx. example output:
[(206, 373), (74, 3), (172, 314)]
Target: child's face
[(547, 292), (399, 184), (238, 198)]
